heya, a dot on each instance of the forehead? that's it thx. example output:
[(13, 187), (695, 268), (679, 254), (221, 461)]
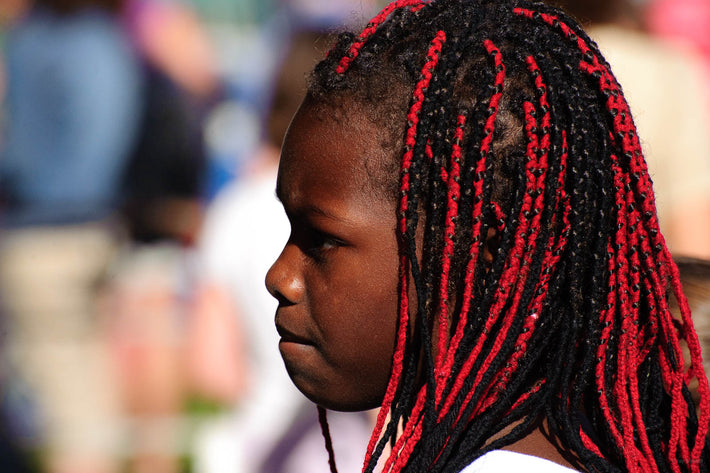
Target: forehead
[(336, 146)]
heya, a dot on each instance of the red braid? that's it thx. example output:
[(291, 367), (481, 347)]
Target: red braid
[(477, 242), (410, 436), (413, 118), (371, 28), (452, 198), (635, 460), (553, 249), (626, 137), (518, 263)]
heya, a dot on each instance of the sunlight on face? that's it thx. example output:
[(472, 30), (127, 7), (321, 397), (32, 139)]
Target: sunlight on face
[(337, 278)]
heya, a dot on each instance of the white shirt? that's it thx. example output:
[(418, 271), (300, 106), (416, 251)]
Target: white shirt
[(504, 461)]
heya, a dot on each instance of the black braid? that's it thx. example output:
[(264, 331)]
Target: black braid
[(553, 224)]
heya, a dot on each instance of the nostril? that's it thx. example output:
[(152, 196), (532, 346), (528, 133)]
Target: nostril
[(283, 300)]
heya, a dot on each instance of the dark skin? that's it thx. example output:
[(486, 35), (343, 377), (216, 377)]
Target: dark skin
[(336, 279)]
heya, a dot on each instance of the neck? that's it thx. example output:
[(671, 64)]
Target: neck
[(541, 443)]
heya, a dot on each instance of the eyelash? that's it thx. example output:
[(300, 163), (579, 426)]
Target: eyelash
[(320, 243)]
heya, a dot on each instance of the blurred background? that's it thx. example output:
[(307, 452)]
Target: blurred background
[(139, 141)]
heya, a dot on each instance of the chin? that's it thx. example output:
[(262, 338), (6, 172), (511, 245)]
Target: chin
[(340, 405), (324, 384), (334, 397)]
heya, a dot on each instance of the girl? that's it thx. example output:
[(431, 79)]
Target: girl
[(474, 247)]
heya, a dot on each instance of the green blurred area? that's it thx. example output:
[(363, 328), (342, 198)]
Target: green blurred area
[(238, 12)]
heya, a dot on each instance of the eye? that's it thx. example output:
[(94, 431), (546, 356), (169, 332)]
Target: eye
[(319, 244)]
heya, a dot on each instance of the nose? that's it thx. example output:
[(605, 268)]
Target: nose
[(284, 280)]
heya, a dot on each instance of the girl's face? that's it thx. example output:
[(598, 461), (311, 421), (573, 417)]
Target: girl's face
[(336, 279)]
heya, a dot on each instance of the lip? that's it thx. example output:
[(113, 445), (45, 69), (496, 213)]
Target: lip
[(287, 336)]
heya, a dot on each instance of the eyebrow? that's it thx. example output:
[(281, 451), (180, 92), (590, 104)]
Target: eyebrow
[(311, 209)]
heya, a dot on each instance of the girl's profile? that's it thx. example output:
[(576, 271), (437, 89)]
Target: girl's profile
[(475, 250)]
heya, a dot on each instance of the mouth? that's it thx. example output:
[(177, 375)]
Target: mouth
[(288, 336)]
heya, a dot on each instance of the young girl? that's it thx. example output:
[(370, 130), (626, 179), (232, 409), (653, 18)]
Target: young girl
[(475, 249)]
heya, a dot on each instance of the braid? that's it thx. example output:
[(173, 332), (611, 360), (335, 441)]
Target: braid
[(323, 421), (527, 231)]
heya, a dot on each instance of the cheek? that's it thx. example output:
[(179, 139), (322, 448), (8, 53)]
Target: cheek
[(361, 317), (357, 320)]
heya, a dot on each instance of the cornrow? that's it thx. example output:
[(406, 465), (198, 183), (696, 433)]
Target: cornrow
[(527, 230)]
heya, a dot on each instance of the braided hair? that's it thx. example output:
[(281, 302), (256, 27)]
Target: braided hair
[(528, 232)]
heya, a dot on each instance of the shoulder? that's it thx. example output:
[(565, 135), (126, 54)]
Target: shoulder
[(501, 461)]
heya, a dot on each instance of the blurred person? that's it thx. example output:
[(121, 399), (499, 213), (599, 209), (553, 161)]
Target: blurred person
[(72, 104), (166, 177), (270, 428), (148, 291), (143, 303), (666, 89), (170, 36)]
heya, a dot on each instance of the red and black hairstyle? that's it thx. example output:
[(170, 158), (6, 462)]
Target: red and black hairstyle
[(528, 232)]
